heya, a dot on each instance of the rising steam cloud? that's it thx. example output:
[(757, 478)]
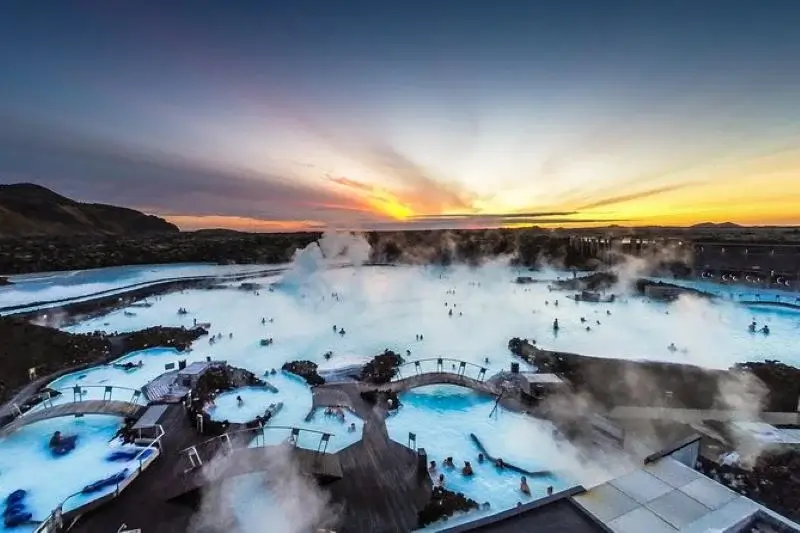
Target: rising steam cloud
[(275, 499)]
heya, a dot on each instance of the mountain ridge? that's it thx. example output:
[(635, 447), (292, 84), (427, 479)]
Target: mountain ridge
[(28, 210)]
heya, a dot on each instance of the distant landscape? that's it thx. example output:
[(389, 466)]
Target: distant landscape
[(41, 230)]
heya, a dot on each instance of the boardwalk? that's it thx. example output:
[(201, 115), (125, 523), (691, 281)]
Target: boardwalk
[(380, 490), (88, 407)]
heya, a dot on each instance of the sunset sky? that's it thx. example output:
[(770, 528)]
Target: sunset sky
[(274, 116)]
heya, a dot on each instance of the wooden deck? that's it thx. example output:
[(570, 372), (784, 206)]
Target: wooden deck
[(87, 407), (380, 489), (324, 467)]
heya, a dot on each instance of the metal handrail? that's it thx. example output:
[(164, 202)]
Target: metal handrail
[(440, 363), (260, 429), (79, 392), (54, 521)]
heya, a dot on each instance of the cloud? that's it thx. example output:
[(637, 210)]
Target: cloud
[(405, 181), (622, 198), (91, 169)]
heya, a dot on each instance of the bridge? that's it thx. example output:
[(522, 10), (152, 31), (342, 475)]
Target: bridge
[(251, 450), (445, 371), (129, 403)]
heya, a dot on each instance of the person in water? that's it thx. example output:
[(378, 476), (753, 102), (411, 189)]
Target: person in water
[(523, 486), (448, 462), (432, 467), (352, 427), (239, 401), (672, 347), (440, 481), (467, 470), (480, 458), (499, 463), (55, 440)]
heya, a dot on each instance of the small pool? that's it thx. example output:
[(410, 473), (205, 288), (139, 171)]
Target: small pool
[(27, 463), (93, 381), (296, 398), (442, 417)]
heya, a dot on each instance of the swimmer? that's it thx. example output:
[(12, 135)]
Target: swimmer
[(239, 401), (523, 486), (432, 466), (467, 470)]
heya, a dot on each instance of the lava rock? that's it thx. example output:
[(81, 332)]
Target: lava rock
[(444, 504), (382, 368), (306, 370)]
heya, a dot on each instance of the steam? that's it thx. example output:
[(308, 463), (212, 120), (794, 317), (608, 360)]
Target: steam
[(275, 499), (334, 249)]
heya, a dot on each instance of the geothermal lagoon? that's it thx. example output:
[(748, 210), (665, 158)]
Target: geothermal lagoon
[(462, 313)]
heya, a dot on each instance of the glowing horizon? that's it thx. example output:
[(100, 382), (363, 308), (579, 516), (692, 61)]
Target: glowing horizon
[(389, 119)]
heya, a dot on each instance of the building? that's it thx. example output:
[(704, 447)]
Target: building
[(536, 386), (665, 495)]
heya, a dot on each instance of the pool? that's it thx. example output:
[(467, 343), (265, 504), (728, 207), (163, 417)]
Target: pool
[(297, 402), (93, 381), (27, 463), (388, 307), (442, 418), (54, 286)]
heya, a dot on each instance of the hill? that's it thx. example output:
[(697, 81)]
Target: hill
[(714, 225), (32, 210)]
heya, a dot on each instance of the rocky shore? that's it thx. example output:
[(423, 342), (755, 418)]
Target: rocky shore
[(4, 281), (213, 382), (49, 350), (444, 504), (597, 281), (382, 368), (654, 384), (306, 370)]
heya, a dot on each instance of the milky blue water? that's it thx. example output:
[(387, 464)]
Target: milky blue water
[(49, 286), (443, 416), (27, 463), (384, 308)]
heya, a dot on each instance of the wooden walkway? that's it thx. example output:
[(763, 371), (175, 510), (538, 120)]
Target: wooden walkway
[(380, 489), (87, 407)]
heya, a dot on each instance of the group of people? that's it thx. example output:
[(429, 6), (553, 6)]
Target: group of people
[(468, 471), (753, 326), (338, 412)]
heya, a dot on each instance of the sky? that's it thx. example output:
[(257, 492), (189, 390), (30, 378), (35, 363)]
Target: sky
[(275, 116)]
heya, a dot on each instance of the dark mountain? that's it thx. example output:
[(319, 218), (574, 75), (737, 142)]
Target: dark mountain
[(29, 210), (713, 225)]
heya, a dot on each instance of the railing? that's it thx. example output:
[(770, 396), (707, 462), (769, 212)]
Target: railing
[(81, 393), (225, 442), (55, 521), (442, 365)]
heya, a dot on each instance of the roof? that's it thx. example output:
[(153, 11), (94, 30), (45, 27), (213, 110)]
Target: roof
[(537, 378), (666, 497), (195, 369)]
